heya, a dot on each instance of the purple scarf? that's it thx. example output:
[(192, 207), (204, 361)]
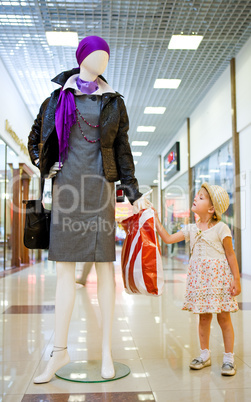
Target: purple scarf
[(87, 87), (65, 115)]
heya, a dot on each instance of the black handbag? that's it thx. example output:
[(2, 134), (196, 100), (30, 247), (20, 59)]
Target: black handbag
[(37, 225)]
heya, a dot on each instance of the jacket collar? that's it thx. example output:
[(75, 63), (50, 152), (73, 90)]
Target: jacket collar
[(65, 75), (103, 87), (107, 96)]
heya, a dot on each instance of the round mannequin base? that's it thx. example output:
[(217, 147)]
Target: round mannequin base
[(90, 371)]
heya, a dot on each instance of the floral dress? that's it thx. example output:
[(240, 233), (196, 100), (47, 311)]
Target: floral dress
[(209, 275)]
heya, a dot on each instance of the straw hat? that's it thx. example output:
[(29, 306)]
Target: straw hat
[(219, 198)]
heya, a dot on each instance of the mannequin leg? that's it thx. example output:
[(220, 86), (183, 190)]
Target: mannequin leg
[(64, 303), (86, 268), (106, 298)]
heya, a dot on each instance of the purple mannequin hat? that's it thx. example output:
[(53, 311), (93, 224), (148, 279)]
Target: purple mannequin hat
[(89, 45)]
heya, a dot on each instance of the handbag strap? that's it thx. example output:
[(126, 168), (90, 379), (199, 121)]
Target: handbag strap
[(41, 187)]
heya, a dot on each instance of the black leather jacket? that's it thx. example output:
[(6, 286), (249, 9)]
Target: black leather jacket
[(115, 148)]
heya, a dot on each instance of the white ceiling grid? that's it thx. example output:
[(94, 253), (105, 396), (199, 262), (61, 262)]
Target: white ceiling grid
[(138, 33)]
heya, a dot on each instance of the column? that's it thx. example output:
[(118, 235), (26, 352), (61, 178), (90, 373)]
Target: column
[(16, 259), (236, 152)]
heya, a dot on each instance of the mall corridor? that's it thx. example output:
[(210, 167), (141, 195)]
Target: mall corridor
[(151, 335), (101, 103)]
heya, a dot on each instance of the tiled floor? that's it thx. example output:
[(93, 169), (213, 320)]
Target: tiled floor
[(151, 335)]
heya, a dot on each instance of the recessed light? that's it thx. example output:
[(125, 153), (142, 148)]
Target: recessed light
[(139, 143), (166, 83), (136, 153), (16, 20), (55, 38), (156, 181), (135, 162), (155, 110), (185, 42), (146, 129)]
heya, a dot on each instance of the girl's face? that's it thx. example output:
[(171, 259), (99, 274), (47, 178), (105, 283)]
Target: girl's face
[(202, 203)]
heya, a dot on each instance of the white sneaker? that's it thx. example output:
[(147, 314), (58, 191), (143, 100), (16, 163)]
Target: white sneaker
[(198, 363), (228, 369)]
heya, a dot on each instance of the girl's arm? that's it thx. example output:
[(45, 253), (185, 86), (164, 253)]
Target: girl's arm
[(231, 257), (165, 236)]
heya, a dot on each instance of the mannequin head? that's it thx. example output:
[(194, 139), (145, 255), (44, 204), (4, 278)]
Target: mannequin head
[(93, 65), (92, 55)]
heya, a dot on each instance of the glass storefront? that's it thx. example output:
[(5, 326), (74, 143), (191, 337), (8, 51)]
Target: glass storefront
[(8, 159), (2, 202), (11, 173), (175, 214), (218, 168)]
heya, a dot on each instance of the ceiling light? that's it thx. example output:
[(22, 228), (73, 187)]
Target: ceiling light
[(17, 20), (139, 143), (135, 162), (146, 129), (185, 42), (56, 38), (155, 110), (14, 3), (156, 181), (166, 83), (136, 153)]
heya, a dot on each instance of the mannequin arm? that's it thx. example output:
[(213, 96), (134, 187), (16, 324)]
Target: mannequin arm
[(124, 158), (35, 135), (54, 170)]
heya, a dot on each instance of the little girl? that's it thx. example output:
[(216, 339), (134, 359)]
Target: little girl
[(213, 277)]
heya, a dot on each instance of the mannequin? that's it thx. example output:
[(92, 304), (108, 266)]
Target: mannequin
[(85, 270), (91, 67), (63, 311)]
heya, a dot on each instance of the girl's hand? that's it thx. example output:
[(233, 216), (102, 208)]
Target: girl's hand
[(235, 287), (165, 236), (155, 212), (156, 215)]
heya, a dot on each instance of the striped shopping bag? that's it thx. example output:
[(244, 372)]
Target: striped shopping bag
[(141, 258)]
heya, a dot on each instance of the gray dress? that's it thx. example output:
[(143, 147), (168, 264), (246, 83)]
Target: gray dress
[(83, 201)]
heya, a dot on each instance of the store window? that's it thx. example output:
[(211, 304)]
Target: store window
[(2, 202), (176, 213), (218, 168), (8, 160), (17, 182)]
